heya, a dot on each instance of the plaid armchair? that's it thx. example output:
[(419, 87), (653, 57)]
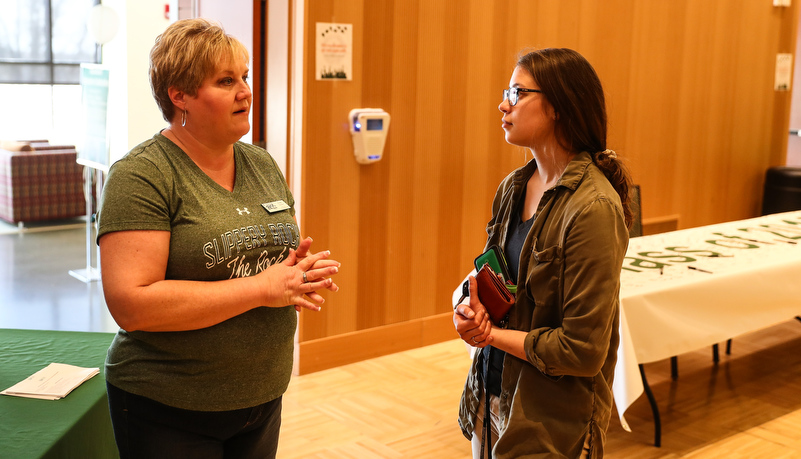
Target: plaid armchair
[(39, 181)]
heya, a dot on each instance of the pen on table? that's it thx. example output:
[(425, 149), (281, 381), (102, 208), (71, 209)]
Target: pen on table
[(699, 269)]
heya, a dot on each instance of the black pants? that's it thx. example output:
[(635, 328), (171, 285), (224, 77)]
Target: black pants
[(144, 428)]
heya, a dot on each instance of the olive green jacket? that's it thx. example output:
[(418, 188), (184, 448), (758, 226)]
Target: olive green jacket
[(567, 301)]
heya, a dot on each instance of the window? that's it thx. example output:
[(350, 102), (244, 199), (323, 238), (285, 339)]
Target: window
[(45, 41)]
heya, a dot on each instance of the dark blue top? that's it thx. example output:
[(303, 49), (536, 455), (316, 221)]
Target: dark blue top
[(514, 244)]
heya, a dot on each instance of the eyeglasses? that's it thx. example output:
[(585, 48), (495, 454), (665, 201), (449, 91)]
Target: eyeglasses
[(513, 94)]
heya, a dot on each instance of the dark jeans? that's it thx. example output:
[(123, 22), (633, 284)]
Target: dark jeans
[(147, 429)]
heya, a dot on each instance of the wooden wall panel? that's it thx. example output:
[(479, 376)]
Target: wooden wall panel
[(691, 109)]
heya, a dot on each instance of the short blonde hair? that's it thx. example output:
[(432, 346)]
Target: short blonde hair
[(187, 53)]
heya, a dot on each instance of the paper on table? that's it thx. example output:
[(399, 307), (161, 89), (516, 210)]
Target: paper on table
[(52, 382)]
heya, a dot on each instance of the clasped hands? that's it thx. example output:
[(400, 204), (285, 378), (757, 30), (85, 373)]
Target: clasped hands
[(306, 274), (472, 321)]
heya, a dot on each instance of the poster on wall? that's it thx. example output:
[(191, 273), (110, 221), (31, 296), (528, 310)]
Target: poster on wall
[(784, 72), (334, 51), (94, 109)]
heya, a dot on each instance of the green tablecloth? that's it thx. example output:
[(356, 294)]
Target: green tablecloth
[(77, 426)]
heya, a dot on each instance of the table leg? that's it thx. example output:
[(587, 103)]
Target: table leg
[(715, 354), (674, 368), (654, 409)]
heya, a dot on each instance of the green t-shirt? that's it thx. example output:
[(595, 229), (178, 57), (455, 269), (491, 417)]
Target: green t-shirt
[(215, 234)]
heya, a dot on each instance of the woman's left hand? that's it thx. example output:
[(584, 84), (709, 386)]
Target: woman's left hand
[(316, 271)]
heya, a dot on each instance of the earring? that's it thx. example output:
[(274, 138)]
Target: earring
[(183, 118)]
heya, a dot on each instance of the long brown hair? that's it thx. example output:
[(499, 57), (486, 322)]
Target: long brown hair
[(572, 87)]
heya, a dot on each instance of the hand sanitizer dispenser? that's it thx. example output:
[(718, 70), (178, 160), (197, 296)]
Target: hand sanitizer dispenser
[(368, 129)]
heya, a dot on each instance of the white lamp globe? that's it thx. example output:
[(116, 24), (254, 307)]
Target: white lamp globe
[(103, 24)]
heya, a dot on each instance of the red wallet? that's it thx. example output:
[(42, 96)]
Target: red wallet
[(493, 294)]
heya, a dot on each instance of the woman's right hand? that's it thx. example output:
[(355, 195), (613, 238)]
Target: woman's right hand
[(472, 320)]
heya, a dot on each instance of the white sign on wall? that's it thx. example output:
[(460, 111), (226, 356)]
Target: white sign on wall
[(784, 72), (334, 45)]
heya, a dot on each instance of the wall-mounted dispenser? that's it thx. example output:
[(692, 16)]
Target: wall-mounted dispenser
[(368, 129)]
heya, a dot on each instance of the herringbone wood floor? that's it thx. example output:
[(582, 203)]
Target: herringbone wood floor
[(404, 405)]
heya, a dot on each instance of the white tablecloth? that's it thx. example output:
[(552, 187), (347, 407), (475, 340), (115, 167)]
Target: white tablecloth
[(683, 290)]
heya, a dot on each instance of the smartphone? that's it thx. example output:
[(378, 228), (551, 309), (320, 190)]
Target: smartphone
[(494, 257)]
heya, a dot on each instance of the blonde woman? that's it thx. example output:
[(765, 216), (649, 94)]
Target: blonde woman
[(203, 265)]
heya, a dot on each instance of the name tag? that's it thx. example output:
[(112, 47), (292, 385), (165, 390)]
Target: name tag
[(275, 206)]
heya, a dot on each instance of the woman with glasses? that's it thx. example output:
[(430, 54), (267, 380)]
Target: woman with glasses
[(541, 384), (204, 268)]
